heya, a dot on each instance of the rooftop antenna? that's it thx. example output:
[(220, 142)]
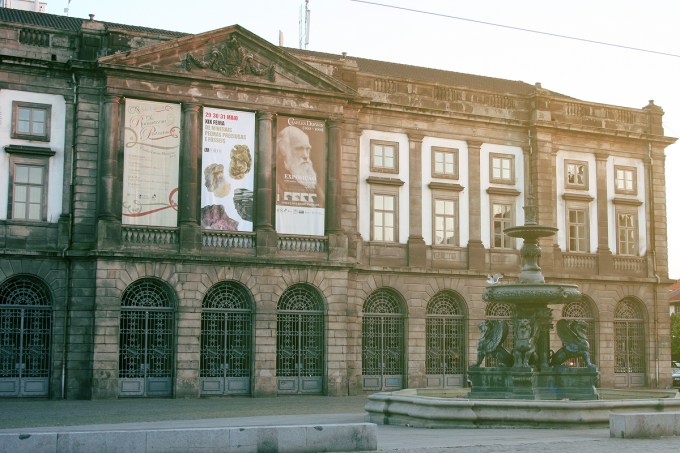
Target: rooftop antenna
[(304, 25)]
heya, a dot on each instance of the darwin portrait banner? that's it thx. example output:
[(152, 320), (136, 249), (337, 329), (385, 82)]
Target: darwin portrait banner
[(300, 176), (151, 163), (228, 170)]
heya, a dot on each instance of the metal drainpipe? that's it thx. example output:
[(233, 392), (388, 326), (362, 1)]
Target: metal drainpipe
[(652, 232), (67, 286)]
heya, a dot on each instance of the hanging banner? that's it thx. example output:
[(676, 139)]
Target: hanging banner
[(300, 176), (228, 170), (151, 163)]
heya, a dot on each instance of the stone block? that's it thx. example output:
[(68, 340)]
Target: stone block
[(34, 442), (108, 441), (644, 424)]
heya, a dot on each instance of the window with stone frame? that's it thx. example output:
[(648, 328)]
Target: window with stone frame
[(502, 168), (576, 174), (626, 231), (444, 162), (625, 180), (384, 156), (578, 240), (445, 220), (384, 214), (28, 182), (502, 217), (31, 121)]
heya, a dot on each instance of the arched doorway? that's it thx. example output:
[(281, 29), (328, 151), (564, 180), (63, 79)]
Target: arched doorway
[(445, 340), (25, 337), (146, 338), (503, 312), (226, 340), (382, 341), (580, 310), (300, 346), (630, 358)]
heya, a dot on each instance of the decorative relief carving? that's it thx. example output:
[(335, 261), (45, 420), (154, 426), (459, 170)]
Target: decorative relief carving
[(229, 59)]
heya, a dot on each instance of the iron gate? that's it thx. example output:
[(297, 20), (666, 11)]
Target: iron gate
[(300, 341), (226, 329), (629, 343), (146, 338), (25, 335), (382, 342), (580, 311), (503, 312), (445, 339)]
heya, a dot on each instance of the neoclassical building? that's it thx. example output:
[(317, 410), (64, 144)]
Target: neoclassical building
[(198, 215)]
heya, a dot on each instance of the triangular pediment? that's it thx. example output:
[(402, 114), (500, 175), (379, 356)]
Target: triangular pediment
[(228, 55)]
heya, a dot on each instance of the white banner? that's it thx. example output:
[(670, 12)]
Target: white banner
[(151, 163), (227, 177)]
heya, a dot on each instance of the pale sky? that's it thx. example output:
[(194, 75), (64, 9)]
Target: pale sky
[(583, 70)]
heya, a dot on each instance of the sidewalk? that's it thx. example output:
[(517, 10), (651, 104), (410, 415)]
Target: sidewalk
[(31, 416)]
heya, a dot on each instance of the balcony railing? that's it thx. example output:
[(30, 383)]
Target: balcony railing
[(149, 236), (227, 240), (310, 244)]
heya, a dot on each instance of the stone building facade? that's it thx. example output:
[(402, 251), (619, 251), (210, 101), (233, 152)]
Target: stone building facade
[(123, 273)]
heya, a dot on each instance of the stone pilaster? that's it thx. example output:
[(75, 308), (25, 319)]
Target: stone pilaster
[(189, 192), (416, 245), (337, 240), (264, 201), (110, 181), (476, 255), (604, 254)]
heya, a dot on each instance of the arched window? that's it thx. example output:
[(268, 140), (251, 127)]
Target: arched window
[(382, 344), (146, 338), (226, 332), (630, 359), (300, 346), (25, 337), (445, 339)]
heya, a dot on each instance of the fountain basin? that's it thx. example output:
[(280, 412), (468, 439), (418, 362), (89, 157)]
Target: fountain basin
[(434, 408)]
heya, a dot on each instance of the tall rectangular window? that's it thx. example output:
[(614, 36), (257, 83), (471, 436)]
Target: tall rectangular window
[(28, 192), (625, 181), (445, 218), (576, 174), (577, 229), (385, 214), (445, 163), (626, 233), (501, 218), (502, 168), (31, 121), (384, 156)]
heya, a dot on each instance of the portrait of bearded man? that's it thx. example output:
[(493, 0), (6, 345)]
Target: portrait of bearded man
[(297, 177)]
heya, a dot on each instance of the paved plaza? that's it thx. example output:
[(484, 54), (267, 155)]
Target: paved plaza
[(33, 416)]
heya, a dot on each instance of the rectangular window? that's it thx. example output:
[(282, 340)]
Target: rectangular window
[(385, 214), (576, 174), (445, 163), (384, 156), (445, 218), (502, 217), (626, 233), (625, 180), (27, 201), (577, 229), (31, 121), (502, 168)]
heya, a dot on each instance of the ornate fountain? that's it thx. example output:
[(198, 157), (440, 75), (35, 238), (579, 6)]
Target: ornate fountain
[(530, 370)]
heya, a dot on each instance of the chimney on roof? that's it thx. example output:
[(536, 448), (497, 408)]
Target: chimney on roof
[(91, 17)]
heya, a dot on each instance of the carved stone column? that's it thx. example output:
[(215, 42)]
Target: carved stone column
[(337, 241), (416, 245), (110, 182), (189, 192), (266, 237), (604, 254), (476, 255)]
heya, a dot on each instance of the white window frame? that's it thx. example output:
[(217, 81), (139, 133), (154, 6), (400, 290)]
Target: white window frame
[(378, 158), (12, 205), (453, 240), (580, 185), (582, 242), (507, 242), (625, 170), (387, 192), (31, 107), (439, 169), (502, 178)]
